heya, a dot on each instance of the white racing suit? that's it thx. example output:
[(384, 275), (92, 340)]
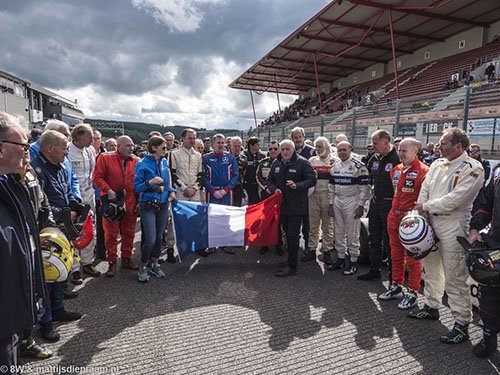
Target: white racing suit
[(447, 193), (318, 205), (83, 163), (349, 188)]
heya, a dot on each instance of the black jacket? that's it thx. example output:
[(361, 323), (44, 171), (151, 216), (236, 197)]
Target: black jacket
[(307, 151), (380, 175), (489, 210), (300, 171), (253, 161), (21, 270)]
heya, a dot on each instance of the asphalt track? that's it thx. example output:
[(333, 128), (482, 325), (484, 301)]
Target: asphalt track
[(227, 314)]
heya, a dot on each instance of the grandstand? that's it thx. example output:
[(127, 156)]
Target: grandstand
[(411, 67)]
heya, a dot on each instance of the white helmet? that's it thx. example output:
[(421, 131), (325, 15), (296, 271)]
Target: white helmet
[(416, 235), (57, 254)]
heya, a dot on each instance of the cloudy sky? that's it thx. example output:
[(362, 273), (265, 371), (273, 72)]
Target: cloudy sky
[(161, 61)]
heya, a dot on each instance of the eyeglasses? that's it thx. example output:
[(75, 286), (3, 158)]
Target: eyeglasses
[(25, 146), (273, 149)]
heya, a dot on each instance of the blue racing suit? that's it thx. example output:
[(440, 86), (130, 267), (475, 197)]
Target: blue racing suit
[(221, 171)]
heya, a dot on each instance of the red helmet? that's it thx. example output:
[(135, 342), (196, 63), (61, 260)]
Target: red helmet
[(86, 229)]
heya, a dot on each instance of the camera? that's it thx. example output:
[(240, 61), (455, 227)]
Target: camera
[(151, 205)]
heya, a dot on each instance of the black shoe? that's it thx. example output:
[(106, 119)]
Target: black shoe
[(76, 278), (69, 294), (279, 250), (340, 263), (160, 261), (308, 256), (427, 313), (373, 274), (263, 250), (458, 334), (33, 350), (352, 269), (487, 345), (48, 332), (170, 255), (204, 253), (327, 258), (62, 315)]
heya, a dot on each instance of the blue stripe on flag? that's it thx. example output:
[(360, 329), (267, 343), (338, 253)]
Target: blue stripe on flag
[(190, 225)]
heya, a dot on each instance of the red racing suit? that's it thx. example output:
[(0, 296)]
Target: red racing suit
[(110, 173), (406, 183)]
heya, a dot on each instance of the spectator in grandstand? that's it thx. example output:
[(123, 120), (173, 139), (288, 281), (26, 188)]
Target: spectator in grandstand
[(198, 146), (115, 173), (62, 128), (97, 142), (241, 158), (207, 145), (221, 176), (306, 151), (22, 280), (475, 153), (348, 192), (254, 156), (447, 86), (292, 175), (187, 175), (448, 206), (54, 182), (380, 204), (407, 178), (318, 203), (110, 145), (489, 296), (35, 134), (83, 160), (152, 181), (263, 170)]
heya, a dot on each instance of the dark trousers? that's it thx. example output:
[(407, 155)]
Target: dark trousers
[(489, 307), (100, 248), (237, 195), (379, 238), (305, 232), (8, 352), (54, 301), (253, 193), (291, 226)]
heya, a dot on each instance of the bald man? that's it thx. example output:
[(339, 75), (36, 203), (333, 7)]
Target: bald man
[(115, 172)]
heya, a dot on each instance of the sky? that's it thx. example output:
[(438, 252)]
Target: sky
[(160, 61)]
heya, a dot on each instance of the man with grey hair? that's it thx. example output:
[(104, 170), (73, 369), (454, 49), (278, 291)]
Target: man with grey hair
[(21, 273), (349, 190), (385, 159), (318, 202), (83, 160), (62, 128), (235, 148), (292, 175)]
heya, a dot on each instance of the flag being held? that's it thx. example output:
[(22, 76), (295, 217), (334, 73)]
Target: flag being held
[(199, 226)]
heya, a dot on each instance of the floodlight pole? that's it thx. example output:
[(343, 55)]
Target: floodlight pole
[(278, 96), (253, 107), (317, 85), (394, 54)]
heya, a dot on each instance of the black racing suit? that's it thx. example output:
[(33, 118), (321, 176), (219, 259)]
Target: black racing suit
[(250, 180)]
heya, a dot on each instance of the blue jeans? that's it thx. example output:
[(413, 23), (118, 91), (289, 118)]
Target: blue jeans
[(153, 225), (54, 301)]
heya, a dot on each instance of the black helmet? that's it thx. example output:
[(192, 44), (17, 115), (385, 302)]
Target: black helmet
[(113, 210), (483, 262)]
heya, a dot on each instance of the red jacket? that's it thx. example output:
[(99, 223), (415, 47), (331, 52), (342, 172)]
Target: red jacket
[(407, 183), (109, 174)]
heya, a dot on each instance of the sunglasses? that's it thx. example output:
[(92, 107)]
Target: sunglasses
[(25, 146), (273, 149), (474, 151), (164, 148)]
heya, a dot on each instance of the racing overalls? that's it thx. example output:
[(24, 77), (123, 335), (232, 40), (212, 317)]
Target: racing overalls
[(221, 172)]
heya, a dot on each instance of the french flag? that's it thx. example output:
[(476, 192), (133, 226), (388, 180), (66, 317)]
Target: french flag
[(199, 226)]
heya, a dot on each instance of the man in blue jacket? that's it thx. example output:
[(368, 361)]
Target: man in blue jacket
[(22, 279)]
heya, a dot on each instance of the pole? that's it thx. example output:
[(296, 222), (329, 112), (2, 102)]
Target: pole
[(317, 85), (398, 116), (283, 132), (494, 133), (253, 107), (394, 55), (322, 132), (269, 137), (353, 125), (278, 96), (466, 108)]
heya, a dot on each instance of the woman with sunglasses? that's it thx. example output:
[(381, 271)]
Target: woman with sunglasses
[(152, 180)]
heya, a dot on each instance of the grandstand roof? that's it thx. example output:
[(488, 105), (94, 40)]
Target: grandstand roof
[(351, 35)]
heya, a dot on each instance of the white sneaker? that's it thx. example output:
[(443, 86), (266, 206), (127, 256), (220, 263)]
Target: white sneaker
[(408, 301), (395, 291)]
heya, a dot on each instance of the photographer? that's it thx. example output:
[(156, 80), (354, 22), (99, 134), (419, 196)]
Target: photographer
[(152, 181)]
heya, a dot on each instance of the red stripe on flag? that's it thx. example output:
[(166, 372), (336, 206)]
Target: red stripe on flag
[(262, 221)]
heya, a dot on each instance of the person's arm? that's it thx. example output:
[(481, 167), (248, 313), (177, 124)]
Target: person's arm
[(271, 179), (487, 170), (234, 176), (261, 181), (309, 177), (176, 180), (75, 185), (482, 217), (208, 186), (100, 175), (364, 186), (141, 184)]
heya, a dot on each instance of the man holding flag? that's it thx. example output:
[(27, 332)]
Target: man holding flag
[(292, 175)]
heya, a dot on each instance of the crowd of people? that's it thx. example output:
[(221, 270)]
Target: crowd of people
[(326, 190)]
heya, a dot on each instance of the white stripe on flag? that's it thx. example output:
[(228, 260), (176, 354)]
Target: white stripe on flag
[(226, 225)]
